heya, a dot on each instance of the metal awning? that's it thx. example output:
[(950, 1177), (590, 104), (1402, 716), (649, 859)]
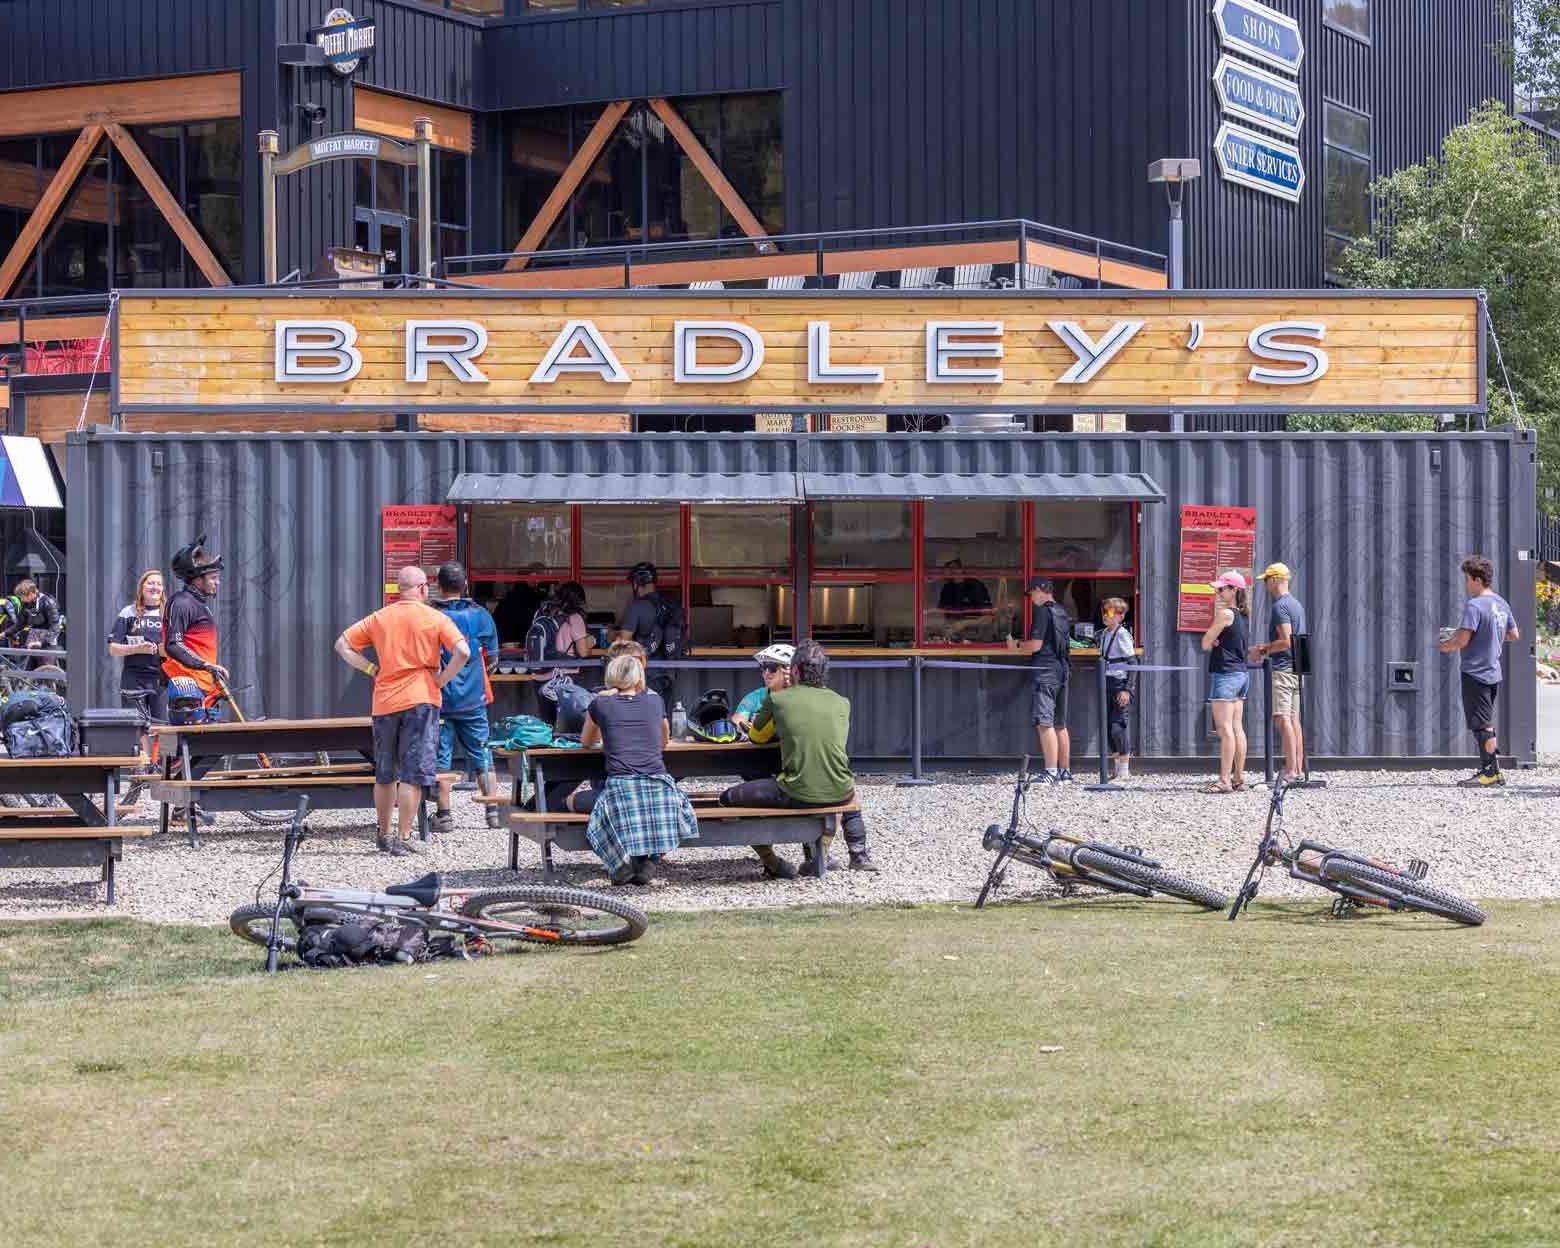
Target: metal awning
[(1051, 487), (626, 487)]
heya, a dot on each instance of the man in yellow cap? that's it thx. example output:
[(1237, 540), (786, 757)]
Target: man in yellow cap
[(1286, 620)]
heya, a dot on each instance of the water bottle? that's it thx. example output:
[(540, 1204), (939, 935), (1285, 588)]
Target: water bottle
[(679, 722)]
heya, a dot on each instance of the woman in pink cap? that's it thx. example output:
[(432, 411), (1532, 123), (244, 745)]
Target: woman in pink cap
[(1226, 642)]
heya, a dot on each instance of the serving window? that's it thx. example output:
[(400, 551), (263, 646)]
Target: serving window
[(1090, 550)]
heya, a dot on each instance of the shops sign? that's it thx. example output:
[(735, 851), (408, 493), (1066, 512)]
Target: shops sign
[(1257, 31), (347, 41), (1255, 95), (1263, 164)]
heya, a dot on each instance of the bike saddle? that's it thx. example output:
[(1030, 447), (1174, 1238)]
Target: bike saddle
[(425, 891)]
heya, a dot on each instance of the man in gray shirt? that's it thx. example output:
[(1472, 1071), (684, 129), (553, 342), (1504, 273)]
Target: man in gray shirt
[(1286, 621), (1487, 625)]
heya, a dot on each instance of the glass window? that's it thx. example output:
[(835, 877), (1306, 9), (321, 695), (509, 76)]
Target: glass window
[(520, 539), (19, 192), (614, 4), (213, 194), (862, 535), (390, 186), (450, 188), (973, 555), (1347, 138), (1083, 537), (607, 208), (552, 6), (740, 542), (75, 253), (479, 8), (682, 203), (752, 156), (864, 613), (614, 539), (539, 146), (1082, 597), (146, 250), (1350, 15)]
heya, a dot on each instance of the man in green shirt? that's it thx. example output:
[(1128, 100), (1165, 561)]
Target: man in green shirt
[(813, 723)]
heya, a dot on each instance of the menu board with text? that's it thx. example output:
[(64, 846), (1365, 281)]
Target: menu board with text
[(1213, 540), (424, 536)]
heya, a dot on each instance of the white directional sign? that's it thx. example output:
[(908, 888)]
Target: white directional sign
[(1257, 96), (1255, 30), (1262, 163)]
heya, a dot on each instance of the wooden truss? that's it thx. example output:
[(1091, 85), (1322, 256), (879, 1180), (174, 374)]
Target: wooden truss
[(595, 142)]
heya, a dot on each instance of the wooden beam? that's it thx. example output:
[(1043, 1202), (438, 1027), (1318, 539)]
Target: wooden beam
[(201, 97), (52, 329), (392, 116), (705, 164), (64, 178), (172, 211), (595, 141)]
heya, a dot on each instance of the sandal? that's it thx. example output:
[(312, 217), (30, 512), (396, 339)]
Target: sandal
[(1214, 786)]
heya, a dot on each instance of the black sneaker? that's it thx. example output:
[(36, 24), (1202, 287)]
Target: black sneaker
[(861, 860), (641, 872), (384, 845), (443, 821), (623, 875), (777, 868), (493, 818)]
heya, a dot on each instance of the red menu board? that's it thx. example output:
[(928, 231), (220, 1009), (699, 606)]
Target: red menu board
[(1213, 540), (424, 536)]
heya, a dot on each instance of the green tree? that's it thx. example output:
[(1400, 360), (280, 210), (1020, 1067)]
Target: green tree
[(1533, 51), (1484, 214)]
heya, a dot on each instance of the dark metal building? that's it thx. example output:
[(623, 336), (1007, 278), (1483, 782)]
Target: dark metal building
[(1379, 523), (886, 113)]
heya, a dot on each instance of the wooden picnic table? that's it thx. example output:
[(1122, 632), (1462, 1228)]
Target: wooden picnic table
[(685, 760), (87, 833)]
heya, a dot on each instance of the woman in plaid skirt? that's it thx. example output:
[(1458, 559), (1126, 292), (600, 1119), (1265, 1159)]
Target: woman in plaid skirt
[(640, 812)]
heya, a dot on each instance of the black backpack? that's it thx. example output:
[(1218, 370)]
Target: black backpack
[(670, 639), (541, 639), (39, 725)]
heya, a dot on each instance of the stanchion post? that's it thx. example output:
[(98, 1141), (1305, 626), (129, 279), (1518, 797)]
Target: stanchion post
[(916, 721), (1102, 688), (1305, 759), (1267, 727)]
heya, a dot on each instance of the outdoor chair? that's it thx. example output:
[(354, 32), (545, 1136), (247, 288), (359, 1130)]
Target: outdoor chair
[(918, 279), (972, 277), (857, 281), (706, 285), (1036, 277), (787, 283)]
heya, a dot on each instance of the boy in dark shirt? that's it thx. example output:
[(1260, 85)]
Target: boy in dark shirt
[(1049, 628)]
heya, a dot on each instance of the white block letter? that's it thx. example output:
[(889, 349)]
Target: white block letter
[(598, 357), (470, 340), (821, 372), (1264, 343), (1092, 356), (944, 343), (750, 351), (297, 341)]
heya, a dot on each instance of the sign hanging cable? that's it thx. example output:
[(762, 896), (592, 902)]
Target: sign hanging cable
[(108, 320), (1500, 358)]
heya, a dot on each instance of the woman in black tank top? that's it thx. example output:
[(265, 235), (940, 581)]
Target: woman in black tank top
[(1226, 641)]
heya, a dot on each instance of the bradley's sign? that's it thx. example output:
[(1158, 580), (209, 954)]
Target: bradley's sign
[(769, 352)]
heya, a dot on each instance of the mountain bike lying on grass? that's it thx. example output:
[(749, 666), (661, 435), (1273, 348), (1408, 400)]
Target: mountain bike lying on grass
[(422, 920), (1070, 860), (1357, 880)]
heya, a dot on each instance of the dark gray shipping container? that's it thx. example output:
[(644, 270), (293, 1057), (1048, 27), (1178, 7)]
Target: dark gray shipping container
[(1374, 526)]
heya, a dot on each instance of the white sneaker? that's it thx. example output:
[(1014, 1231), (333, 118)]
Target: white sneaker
[(1121, 771)]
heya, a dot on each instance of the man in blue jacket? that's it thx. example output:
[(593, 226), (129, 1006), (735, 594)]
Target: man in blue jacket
[(464, 715)]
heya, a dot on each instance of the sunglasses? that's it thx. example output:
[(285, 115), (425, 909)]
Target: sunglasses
[(769, 669)]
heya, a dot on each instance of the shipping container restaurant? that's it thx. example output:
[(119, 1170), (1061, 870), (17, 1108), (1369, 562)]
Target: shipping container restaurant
[(901, 551)]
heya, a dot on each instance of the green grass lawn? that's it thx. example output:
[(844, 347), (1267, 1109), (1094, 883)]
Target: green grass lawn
[(1094, 1073)]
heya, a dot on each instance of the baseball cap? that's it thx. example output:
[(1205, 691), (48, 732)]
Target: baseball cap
[(1276, 569), (1042, 582), (1232, 579)]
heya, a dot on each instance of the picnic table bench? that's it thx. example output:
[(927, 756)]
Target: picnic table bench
[(85, 832), (719, 826)]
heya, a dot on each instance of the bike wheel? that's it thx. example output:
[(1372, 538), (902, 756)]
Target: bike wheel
[(275, 818), (1151, 877), (253, 923), (1417, 895), (559, 916)]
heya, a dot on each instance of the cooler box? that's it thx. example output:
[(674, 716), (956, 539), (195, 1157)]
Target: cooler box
[(111, 730)]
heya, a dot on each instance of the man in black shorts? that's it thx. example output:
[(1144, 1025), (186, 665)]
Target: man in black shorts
[(1049, 628)]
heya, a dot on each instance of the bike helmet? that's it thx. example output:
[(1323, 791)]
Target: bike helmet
[(643, 573), (573, 702), (711, 718), (780, 653), (186, 701), (193, 561)]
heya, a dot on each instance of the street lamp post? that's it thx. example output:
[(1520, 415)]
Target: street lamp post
[(1175, 172)]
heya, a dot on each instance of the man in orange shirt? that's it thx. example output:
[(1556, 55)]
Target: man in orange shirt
[(408, 687)]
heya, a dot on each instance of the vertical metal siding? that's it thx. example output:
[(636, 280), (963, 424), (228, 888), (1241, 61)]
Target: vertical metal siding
[(1374, 526)]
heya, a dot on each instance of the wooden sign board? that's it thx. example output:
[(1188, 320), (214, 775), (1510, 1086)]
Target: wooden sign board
[(774, 351)]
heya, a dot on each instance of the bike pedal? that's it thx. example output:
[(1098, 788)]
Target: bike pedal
[(1418, 868), (1343, 907), (1135, 850)]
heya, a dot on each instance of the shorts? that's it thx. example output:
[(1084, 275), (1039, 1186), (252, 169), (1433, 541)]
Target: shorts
[(405, 743), (1286, 693), (1478, 701), (1228, 686), (1048, 705), (151, 700), (470, 728)]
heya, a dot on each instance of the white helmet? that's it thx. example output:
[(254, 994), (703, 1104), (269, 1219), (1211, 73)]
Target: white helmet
[(778, 653)]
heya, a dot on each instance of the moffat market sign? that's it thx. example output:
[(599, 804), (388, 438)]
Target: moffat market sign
[(641, 351)]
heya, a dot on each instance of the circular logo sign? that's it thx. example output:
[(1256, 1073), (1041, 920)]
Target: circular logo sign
[(344, 39)]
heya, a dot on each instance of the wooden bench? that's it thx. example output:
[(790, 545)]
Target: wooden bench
[(720, 827), (279, 790), (68, 846)]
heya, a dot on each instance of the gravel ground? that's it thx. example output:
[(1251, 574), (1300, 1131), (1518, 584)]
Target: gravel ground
[(1483, 844)]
